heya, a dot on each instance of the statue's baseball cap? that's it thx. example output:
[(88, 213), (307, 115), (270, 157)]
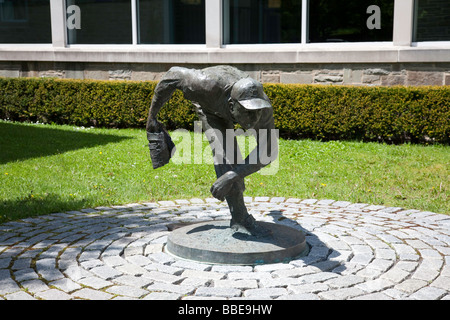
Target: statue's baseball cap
[(250, 94)]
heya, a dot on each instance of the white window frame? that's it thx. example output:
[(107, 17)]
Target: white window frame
[(402, 33), (58, 21), (400, 49)]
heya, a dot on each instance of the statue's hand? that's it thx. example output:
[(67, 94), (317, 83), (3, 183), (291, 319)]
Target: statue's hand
[(223, 185), (154, 125)]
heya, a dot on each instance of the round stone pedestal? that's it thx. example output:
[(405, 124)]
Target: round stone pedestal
[(215, 242)]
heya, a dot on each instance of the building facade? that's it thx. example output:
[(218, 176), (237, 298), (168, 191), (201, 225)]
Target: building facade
[(352, 42)]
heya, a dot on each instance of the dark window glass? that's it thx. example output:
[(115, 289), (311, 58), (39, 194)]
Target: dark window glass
[(25, 21), (172, 21), (351, 20), (99, 21), (432, 20), (262, 21)]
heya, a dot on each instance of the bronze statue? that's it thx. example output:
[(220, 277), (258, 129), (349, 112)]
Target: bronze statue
[(223, 96)]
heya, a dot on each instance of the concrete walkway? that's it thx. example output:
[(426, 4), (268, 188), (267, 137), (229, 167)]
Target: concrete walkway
[(357, 251)]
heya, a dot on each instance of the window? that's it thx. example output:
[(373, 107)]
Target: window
[(432, 20), (280, 21), (262, 21), (99, 22), (172, 21), (351, 20), (25, 21)]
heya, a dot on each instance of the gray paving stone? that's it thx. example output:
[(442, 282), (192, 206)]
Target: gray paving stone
[(230, 268), (428, 270), (429, 254), (162, 296), (139, 260), (4, 262), (90, 255), (248, 275), (428, 293), (8, 286), (127, 291), (442, 283), (369, 273), (167, 287), (362, 259), (89, 294), (218, 292), (65, 285), (395, 274), (318, 277), (294, 272), (381, 264), (344, 281), (164, 277), (261, 293), (188, 273), (280, 282), (195, 282), (21, 264), (326, 265), (341, 294), (340, 256), (19, 295), (299, 297), (95, 282), (308, 288), (54, 294), (132, 269), (407, 265), (411, 285), (25, 274), (50, 274), (114, 261), (238, 284), (373, 296), (105, 272), (396, 294), (161, 257), (129, 280), (90, 264), (386, 254), (375, 285), (34, 286), (358, 251), (191, 265), (272, 267)]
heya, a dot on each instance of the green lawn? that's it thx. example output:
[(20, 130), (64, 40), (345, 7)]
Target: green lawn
[(49, 168)]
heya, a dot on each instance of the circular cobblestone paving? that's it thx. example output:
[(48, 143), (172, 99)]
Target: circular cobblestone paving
[(357, 251)]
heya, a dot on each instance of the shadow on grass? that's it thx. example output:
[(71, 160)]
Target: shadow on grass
[(21, 141), (34, 205)]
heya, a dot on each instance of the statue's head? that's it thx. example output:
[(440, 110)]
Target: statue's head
[(247, 100)]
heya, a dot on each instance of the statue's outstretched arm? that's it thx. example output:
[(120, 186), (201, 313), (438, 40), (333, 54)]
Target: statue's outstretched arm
[(163, 92)]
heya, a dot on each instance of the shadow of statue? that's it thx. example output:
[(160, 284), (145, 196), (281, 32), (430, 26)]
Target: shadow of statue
[(320, 254)]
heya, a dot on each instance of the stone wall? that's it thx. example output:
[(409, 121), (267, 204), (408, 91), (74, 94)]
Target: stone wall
[(363, 74), (413, 74)]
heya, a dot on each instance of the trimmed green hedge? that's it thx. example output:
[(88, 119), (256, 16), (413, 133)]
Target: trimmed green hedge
[(396, 114), (117, 104)]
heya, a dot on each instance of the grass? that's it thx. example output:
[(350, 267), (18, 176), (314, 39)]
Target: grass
[(49, 168)]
